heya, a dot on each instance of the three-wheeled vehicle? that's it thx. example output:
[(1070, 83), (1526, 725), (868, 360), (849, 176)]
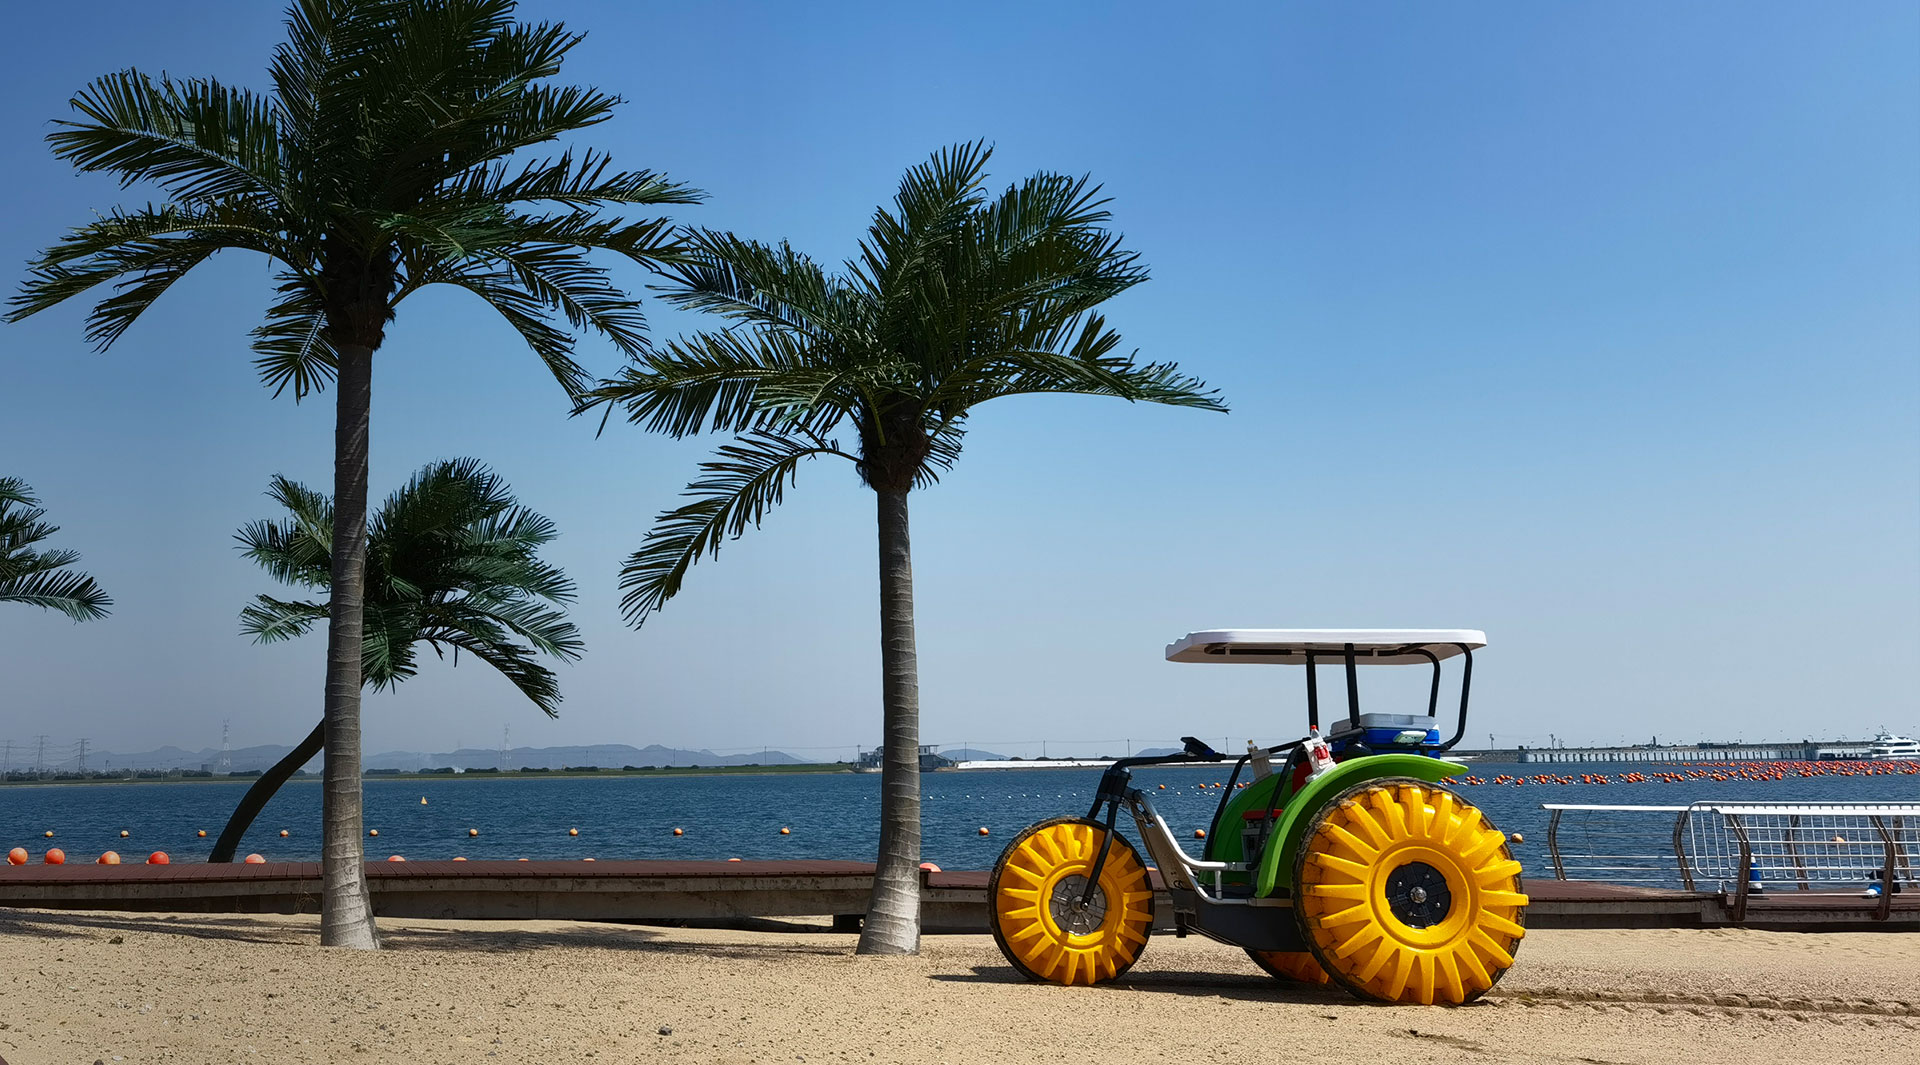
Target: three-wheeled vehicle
[(1341, 859)]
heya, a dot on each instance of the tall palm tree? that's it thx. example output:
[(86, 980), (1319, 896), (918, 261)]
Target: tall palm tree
[(387, 158), (452, 563), (954, 300), (40, 578)]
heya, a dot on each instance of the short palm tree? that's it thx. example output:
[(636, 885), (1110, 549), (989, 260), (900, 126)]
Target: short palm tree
[(955, 299), (387, 158), (40, 578), (452, 564)]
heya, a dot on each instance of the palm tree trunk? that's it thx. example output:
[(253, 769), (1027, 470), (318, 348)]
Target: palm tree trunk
[(346, 906), (262, 792), (893, 916)]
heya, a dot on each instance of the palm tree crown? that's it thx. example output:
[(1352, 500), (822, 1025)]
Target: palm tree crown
[(40, 578), (382, 163), (955, 299), (452, 564)]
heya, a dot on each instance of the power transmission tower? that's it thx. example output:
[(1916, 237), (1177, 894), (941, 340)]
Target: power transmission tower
[(80, 757), (40, 755)]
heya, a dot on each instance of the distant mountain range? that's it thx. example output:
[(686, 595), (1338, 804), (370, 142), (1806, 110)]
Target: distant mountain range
[(970, 754), (604, 755)]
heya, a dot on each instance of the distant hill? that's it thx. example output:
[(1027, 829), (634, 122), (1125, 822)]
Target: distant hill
[(604, 755), (971, 754)]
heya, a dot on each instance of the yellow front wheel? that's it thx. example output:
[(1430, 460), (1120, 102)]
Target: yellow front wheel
[(1407, 894), (1043, 919), (1293, 966)]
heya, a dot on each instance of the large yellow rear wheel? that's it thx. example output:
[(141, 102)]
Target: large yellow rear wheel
[(1407, 894), (1038, 918), (1292, 966)]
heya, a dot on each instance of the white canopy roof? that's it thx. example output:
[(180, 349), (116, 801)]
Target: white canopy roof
[(1290, 646)]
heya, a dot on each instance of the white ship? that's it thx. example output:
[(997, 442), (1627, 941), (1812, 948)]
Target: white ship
[(1888, 746)]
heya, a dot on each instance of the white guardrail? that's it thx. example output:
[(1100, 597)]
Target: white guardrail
[(1743, 850)]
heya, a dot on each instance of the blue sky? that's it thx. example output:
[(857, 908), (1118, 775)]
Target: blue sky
[(1593, 326)]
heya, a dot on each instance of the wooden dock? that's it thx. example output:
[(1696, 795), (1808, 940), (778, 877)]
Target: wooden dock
[(723, 891)]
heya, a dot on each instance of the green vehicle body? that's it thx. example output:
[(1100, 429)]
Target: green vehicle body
[(1298, 807)]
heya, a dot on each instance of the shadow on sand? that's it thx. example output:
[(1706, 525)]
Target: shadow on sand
[(397, 934)]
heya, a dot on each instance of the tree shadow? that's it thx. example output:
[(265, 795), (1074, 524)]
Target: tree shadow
[(94, 925), (1249, 988), (402, 934)]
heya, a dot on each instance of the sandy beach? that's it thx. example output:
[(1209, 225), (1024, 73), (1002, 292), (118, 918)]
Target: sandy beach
[(191, 988)]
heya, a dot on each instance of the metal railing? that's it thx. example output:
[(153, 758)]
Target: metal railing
[(1858, 850)]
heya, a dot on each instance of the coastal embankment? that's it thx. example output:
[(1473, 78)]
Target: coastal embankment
[(187, 988)]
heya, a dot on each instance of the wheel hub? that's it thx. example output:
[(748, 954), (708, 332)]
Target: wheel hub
[(1418, 896), (1069, 913)]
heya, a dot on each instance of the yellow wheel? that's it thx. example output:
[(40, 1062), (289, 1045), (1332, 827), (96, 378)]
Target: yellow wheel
[(1290, 965), (1405, 893), (1038, 919)]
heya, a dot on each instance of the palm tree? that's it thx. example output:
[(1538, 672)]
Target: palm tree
[(452, 563), (36, 577), (386, 159), (954, 300)]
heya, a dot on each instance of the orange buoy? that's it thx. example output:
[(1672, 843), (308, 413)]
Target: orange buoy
[(457, 858), (733, 859), (124, 833), (203, 833), (283, 833), (56, 856), (1517, 838), (1199, 833), (471, 832), (1163, 787), (983, 830), (423, 800), (929, 867), (395, 858), (17, 856), (575, 831), (786, 831), (524, 859), (159, 858), (49, 833), (586, 859), (373, 831), (254, 859), (108, 858), (678, 832)]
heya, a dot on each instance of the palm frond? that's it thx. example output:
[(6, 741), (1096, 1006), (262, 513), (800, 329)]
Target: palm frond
[(746, 281), (580, 183), (73, 594), (147, 250), (292, 345), (747, 478), (270, 620), (36, 577), (538, 683), (722, 382), (202, 141)]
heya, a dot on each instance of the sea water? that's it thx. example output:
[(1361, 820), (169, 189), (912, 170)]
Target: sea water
[(827, 815)]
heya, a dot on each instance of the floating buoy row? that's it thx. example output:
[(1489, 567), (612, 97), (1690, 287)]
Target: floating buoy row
[(1700, 772)]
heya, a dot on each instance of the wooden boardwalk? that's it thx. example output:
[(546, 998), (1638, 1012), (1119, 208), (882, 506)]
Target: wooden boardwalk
[(740, 890)]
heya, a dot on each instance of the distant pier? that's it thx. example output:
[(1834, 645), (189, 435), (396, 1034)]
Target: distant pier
[(1711, 752)]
